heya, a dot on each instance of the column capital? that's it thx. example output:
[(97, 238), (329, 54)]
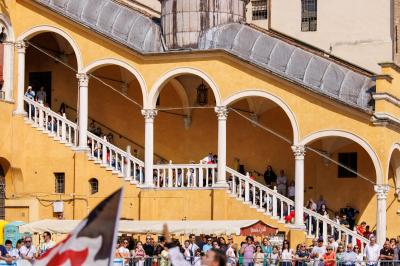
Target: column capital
[(299, 151), (222, 112), (381, 191), (83, 79), (149, 113), (21, 46)]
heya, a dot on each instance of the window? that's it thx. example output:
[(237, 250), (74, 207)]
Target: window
[(309, 15), (260, 9), (59, 182), (94, 186), (348, 159)]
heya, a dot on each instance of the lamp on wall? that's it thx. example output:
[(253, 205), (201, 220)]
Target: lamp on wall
[(202, 94)]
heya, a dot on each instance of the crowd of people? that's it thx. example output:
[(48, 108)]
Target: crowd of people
[(197, 250), (24, 250)]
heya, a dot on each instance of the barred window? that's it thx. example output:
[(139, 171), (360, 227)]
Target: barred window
[(94, 186), (309, 15), (59, 182), (260, 9)]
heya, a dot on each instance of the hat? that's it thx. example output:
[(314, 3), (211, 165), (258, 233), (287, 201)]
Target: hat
[(320, 239)]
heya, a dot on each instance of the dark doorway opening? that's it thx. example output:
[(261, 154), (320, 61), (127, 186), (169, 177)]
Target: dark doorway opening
[(41, 79)]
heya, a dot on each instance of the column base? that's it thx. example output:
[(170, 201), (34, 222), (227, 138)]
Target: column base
[(299, 227), (146, 186), (221, 185), (20, 113), (81, 149)]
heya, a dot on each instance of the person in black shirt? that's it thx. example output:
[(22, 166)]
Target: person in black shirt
[(149, 250), (386, 254), (269, 176)]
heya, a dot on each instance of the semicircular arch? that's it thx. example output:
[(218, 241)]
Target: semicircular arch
[(32, 32), (261, 93), (112, 61), (159, 84), (348, 135)]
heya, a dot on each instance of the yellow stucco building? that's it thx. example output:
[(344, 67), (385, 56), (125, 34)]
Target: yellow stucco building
[(169, 93)]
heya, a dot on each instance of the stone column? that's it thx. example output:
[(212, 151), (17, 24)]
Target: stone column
[(381, 195), (222, 114), (83, 81), (21, 49), (149, 115), (299, 153), (8, 70)]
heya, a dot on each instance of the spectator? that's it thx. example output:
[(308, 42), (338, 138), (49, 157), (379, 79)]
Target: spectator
[(12, 252), (281, 181), (321, 202), (359, 257), (266, 248), (386, 254), (164, 261), (30, 93), (247, 250), (123, 251), (396, 255), (215, 244), (28, 251), (230, 253), (333, 243), (302, 255), (258, 257), (339, 254), (372, 252), (318, 252), (187, 253), (393, 243), (351, 214), (46, 244), (349, 257), (345, 221), (222, 244), (360, 230), (274, 260), (208, 245), (286, 254), (367, 233), (192, 244), (149, 250), (62, 109), (160, 247), (322, 210), (139, 254), (269, 176), (329, 257), (291, 190), (41, 96)]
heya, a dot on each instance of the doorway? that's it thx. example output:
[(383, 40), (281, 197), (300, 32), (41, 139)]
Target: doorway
[(41, 79)]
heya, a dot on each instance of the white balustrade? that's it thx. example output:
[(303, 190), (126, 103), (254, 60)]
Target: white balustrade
[(277, 205), (184, 175), (101, 151)]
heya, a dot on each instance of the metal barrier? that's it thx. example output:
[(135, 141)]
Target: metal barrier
[(262, 260)]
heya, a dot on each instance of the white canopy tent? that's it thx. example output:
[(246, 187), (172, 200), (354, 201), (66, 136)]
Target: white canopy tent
[(226, 227)]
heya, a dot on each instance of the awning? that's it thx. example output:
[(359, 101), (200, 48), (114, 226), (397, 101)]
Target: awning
[(222, 227)]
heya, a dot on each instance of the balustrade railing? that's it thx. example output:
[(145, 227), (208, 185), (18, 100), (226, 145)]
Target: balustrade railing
[(279, 207), (185, 175), (103, 152)]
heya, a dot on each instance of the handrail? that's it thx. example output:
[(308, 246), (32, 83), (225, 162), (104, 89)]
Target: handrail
[(289, 203), (115, 132)]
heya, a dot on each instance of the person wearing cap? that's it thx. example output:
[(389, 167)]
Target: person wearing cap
[(332, 242), (318, 252)]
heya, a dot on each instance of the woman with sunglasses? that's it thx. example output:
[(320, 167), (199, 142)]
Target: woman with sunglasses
[(329, 257), (359, 257), (302, 256)]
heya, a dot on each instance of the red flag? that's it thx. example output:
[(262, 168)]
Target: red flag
[(92, 242)]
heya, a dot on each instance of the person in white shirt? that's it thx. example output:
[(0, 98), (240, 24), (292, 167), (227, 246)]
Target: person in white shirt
[(286, 255), (46, 244), (28, 251), (192, 246), (12, 252), (332, 243), (281, 181), (318, 252), (372, 252)]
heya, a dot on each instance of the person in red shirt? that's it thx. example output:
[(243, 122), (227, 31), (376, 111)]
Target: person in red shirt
[(329, 257)]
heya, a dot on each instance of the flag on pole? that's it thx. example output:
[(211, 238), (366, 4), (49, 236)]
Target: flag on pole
[(92, 242)]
